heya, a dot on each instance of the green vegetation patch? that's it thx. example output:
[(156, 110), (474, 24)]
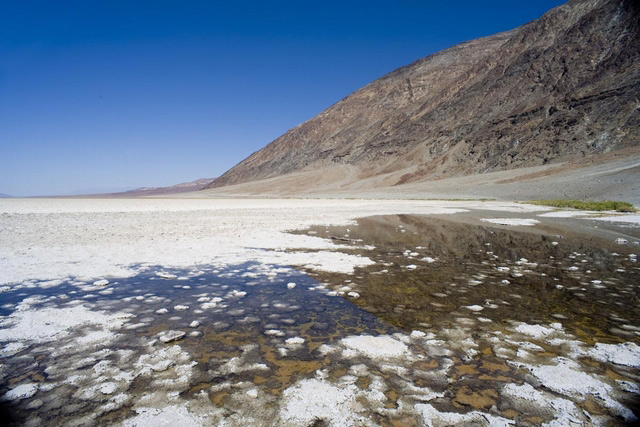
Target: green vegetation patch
[(606, 205)]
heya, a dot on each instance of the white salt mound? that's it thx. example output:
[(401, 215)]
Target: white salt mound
[(626, 354), (169, 416), (417, 334), (432, 417), (108, 388), (23, 391), (166, 275), (312, 399), (535, 331), (48, 324), (294, 341), (512, 221), (381, 347), (170, 336)]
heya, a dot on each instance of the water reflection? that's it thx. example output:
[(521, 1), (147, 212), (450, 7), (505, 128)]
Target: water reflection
[(429, 273), (243, 324)]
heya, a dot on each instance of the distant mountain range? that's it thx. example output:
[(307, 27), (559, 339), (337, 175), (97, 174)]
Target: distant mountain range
[(559, 88), (5, 196), (184, 187)]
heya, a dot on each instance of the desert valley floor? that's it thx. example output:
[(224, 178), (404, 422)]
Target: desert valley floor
[(298, 312)]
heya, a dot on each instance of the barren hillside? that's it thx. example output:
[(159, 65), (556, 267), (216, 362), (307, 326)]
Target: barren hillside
[(556, 89)]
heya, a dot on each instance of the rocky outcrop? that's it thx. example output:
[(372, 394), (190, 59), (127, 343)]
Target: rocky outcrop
[(559, 88)]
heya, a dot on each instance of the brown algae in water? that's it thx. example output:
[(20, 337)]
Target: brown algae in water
[(489, 276)]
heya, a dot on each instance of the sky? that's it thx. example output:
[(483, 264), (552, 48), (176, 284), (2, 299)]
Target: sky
[(112, 95)]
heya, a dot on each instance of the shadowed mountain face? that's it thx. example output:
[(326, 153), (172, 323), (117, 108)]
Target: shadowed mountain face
[(559, 88)]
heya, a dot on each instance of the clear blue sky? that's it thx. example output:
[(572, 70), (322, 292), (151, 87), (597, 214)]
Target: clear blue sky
[(123, 94)]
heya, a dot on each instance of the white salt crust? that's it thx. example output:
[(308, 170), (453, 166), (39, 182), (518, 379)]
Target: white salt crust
[(432, 417), (232, 225), (92, 239), (313, 399), (512, 221), (568, 214), (629, 218), (566, 378), (381, 347), (168, 416), (48, 324), (23, 391)]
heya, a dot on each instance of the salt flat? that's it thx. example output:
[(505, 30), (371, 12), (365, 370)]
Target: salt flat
[(89, 238), (187, 311)]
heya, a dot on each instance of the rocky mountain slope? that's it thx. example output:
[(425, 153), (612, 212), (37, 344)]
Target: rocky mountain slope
[(559, 88)]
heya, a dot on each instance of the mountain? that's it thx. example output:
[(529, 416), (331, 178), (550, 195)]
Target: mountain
[(184, 187), (5, 196), (557, 89)]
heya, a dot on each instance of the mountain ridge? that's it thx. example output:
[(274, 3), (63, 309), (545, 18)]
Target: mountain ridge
[(555, 89)]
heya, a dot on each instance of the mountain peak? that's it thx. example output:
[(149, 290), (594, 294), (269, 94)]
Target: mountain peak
[(558, 88)]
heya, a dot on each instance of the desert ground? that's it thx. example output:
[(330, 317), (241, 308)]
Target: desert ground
[(608, 176), (223, 311)]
